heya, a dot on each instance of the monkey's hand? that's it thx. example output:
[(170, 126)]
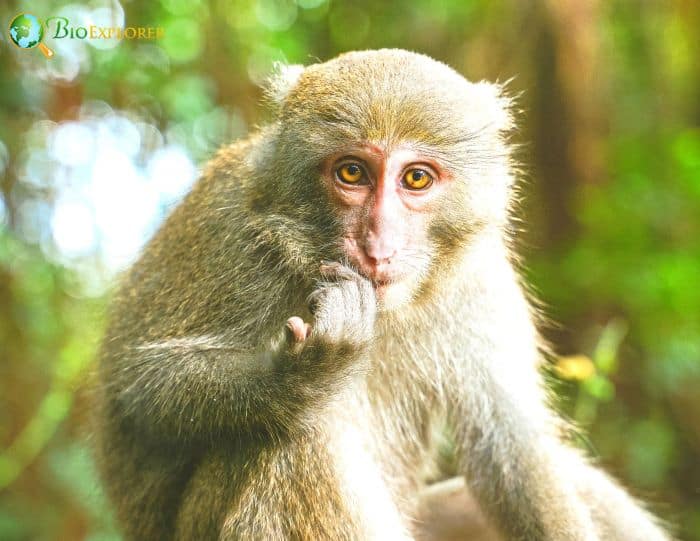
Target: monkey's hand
[(344, 307), (317, 358)]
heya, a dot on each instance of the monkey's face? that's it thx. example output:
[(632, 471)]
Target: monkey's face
[(385, 199), (411, 162)]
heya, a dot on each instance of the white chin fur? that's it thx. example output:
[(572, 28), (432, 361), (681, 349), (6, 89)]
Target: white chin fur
[(393, 296)]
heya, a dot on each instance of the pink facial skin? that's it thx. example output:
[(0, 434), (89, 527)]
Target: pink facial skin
[(385, 220)]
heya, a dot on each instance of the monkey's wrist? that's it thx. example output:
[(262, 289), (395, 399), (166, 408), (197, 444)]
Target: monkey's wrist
[(318, 355)]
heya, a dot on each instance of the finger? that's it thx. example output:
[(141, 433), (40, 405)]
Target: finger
[(333, 269), (368, 295), (297, 330), (330, 269), (328, 308), (314, 300)]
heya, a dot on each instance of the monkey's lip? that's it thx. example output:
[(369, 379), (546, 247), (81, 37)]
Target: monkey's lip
[(383, 281), (382, 277)]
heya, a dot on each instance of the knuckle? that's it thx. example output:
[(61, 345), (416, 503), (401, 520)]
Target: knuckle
[(314, 300)]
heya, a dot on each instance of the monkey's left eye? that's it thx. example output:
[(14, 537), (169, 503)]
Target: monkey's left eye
[(417, 179), (350, 173)]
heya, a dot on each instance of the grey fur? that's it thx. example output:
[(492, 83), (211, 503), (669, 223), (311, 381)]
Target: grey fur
[(213, 424)]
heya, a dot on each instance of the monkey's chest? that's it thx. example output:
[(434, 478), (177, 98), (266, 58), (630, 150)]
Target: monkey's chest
[(381, 437)]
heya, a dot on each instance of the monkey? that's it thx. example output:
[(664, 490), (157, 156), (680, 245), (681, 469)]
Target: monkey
[(333, 288)]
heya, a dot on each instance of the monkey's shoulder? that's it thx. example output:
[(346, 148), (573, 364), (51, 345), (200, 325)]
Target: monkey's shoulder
[(241, 158)]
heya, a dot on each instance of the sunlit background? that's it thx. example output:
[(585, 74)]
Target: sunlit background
[(99, 142)]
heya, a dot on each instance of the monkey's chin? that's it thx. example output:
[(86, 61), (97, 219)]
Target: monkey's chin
[(392, 295)]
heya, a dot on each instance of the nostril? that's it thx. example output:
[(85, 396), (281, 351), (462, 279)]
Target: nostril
[(378, 257)]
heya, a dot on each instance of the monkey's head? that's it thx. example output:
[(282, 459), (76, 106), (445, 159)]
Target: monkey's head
[(406, 156)]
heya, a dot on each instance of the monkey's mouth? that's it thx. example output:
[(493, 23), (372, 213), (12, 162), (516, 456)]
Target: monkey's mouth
[(382, 287), (380, 277), (384, 282), (384, 278)]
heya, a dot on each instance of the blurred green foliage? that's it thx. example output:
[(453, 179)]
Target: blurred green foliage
[(611, 208)]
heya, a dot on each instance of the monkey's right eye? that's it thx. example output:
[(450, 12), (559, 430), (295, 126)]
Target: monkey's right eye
[(350, 173)]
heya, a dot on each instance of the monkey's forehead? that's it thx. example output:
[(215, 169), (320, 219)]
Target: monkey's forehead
[(393, 95), (388, 65)]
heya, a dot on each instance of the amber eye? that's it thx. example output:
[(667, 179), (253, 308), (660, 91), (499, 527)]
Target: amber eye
[(350, 173), (417, 179)]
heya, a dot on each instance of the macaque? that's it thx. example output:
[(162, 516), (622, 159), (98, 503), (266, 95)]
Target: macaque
[(333, 288)]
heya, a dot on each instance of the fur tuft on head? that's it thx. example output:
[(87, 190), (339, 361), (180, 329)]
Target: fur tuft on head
[(283, 78), (491, 106)]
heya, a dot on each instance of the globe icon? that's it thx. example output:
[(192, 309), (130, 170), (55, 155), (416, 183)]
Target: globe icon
[(27, 32)]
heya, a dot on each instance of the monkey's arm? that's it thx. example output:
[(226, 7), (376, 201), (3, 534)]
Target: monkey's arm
[(511, 445), (196, 389), (199, 389), (512, 458)]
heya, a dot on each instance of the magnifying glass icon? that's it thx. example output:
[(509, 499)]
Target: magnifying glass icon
[(26, 32)]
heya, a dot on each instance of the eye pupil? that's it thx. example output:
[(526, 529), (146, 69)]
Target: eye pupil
[(417, 179), (350, 173)]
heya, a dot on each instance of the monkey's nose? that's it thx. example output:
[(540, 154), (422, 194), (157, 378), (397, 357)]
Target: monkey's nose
[(379, 255)]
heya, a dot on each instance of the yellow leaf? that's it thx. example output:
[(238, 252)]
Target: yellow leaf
[(575, 367)]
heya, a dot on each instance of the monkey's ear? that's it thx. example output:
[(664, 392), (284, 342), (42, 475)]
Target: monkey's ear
[(493, 106), (283, 78)]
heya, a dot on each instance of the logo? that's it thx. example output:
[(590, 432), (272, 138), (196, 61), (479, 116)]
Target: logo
[(27, 32), (64, 29)]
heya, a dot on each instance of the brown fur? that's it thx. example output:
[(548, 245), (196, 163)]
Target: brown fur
[(212, 425)]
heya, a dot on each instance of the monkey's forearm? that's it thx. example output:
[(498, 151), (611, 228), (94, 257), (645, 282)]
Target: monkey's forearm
[(514, 472), (507, 438), (531, 483), (194, 390)]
